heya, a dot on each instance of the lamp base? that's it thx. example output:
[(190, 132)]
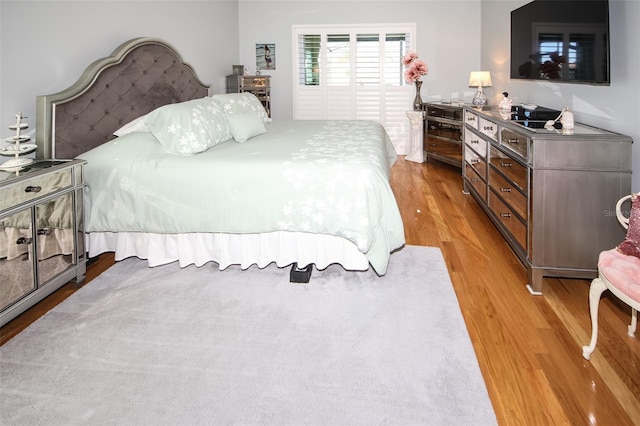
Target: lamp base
[(479, 98)]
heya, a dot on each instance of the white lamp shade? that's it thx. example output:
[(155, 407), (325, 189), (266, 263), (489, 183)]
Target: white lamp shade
[(480, 79)]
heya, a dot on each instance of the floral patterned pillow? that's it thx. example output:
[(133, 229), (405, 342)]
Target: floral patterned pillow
[(189, 127), (233, 103)]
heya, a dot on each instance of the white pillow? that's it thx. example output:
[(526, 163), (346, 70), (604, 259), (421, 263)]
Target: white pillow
[(233, 103), (189, 127), (137, 125), (245, 125)]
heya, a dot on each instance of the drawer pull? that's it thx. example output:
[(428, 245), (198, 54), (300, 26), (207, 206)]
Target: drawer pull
[(474, 161), (505, 189), (33, 188), (488, 128), (24, 240), (44, 231), (475, 141), (506, 164), (475, 179), (513, 140), (505, 215)]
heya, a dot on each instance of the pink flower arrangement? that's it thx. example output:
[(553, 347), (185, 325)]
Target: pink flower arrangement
[(415, 68)]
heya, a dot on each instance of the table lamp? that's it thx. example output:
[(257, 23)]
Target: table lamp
[(479, 79)]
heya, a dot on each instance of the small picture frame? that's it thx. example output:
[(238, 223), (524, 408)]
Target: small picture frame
[(238, 69), (265, 56)]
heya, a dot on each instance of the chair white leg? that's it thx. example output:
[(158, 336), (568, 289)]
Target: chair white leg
[(595, 291), (634, 323)]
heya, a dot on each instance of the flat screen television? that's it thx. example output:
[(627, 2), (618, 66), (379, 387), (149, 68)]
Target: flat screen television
[(562, 41)]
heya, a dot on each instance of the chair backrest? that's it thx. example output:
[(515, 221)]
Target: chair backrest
[(624, 220)]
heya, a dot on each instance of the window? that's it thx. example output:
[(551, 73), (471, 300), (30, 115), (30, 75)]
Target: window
[(354, 73)]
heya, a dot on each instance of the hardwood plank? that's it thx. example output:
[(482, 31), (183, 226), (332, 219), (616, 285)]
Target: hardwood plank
[(529, 348)]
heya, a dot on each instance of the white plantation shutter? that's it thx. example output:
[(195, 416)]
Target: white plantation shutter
[(354, 73)]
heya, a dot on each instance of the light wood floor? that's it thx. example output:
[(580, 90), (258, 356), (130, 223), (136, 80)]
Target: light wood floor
[(528, 347)]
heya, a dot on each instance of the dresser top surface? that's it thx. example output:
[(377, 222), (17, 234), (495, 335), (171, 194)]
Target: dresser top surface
[(536, 128), (37, 168)]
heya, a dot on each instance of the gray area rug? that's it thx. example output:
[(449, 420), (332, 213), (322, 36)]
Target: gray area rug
[(164, 345)]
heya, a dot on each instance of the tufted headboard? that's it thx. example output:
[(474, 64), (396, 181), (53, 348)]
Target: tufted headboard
[(139, 76)]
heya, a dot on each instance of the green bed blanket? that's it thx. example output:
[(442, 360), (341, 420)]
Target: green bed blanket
[(329, 177)]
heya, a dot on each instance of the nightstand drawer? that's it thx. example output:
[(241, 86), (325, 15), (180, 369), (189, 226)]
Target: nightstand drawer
[(39, 186), (255, 82)]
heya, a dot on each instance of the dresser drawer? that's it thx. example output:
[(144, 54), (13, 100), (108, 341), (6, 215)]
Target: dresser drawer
[(454, 114), (509, 192), (474, 179), (515, 171), (476, 143), (515, 142), (471, 119), (36, 187), (444, 129), (488, 128), (444, 147), (255, 82), (478, 163), (510, 221)]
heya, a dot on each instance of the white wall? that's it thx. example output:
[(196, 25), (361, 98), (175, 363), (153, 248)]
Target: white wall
[(45, 45), (615, 107), (447, 38)]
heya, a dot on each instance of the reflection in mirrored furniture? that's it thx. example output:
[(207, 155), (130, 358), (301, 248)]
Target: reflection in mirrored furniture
[(41, 233)]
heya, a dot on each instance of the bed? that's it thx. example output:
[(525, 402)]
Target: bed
[(194, 177)]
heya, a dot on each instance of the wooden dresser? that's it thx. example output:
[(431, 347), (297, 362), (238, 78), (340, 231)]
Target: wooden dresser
[(550, 194)]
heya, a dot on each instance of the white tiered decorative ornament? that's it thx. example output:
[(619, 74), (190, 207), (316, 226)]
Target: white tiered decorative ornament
[(18, 146)]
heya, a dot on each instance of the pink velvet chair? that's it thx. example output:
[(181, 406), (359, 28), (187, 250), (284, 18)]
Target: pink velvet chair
[(619, 272)]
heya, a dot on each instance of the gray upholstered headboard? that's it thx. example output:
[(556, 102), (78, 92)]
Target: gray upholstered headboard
[(139, 76)]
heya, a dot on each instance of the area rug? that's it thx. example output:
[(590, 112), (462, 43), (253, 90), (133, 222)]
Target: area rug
[(165, 345)]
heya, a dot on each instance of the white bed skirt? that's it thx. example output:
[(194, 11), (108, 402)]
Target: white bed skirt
[(283, 248)]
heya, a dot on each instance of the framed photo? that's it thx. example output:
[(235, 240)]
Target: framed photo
[(265, 56)]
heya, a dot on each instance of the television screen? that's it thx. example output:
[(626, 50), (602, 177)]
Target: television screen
[(561, 40)]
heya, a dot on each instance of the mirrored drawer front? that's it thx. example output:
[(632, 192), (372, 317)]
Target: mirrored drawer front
[(516, 172), (450, 113), (476, 162), (444, 130), (478, 144), (515, 142), (256, 82), (444, 147), (510, 221), (516, 199), (489, 128), (33, 188), (476, 181), (471, 119)]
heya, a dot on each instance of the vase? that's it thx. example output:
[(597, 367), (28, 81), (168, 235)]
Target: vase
[(417, 102)]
